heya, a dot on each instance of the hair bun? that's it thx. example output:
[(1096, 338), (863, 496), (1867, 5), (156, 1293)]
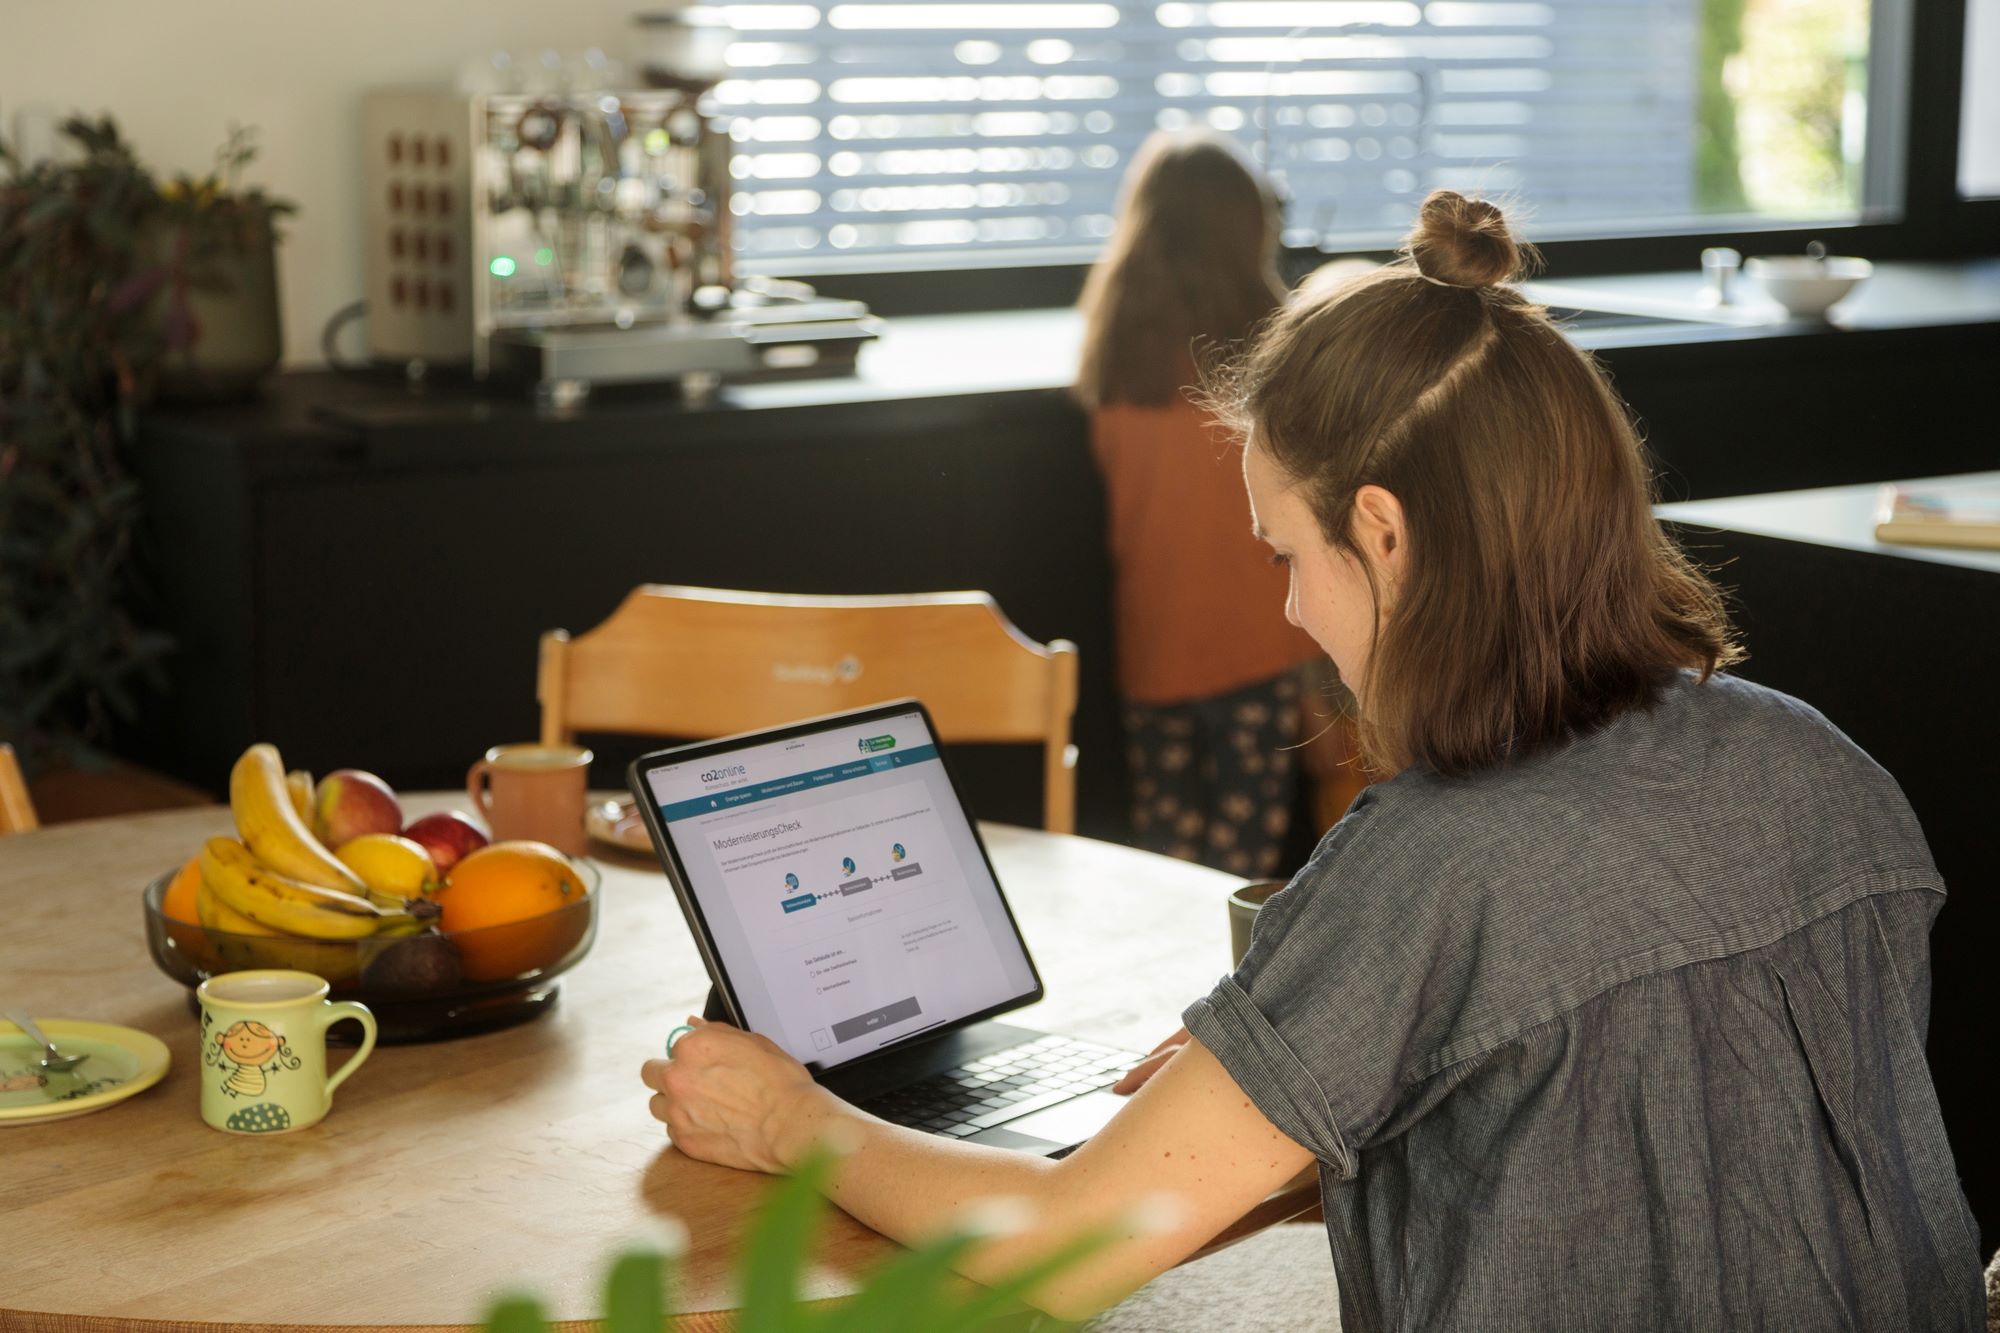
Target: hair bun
[(1463, 242)]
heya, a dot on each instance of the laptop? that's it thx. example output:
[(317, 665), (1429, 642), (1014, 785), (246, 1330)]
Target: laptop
[(846, 908)]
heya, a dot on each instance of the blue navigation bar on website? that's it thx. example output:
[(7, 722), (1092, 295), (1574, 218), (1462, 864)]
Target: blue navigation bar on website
[(797, 782)]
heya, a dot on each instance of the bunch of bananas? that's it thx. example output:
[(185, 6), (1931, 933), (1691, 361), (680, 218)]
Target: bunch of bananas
[(279, 879)]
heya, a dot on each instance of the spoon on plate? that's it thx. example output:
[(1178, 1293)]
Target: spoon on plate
[(55, 1062)]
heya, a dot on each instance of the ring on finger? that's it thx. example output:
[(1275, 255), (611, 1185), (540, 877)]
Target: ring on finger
[(675, 1036)]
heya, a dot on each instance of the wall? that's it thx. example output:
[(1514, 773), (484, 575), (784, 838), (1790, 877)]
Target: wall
[(177, 74)]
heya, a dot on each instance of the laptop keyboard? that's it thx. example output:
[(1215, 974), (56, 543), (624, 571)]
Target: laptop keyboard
[(999, 1087)]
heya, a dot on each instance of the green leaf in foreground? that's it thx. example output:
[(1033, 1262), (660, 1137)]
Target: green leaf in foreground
[(915, 1291), (1010, 1293), (635, 1293), (517, 1314), (901, 1294), (774, 1250)]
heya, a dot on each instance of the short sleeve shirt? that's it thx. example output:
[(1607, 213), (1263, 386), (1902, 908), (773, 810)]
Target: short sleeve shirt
[(1625, 1035)]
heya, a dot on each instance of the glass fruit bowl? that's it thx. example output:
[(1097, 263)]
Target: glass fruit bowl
[(423, 987)]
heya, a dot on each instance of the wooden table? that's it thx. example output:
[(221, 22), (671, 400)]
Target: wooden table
[(450, 1172)]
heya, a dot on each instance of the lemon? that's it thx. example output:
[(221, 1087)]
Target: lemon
[(389, 863)]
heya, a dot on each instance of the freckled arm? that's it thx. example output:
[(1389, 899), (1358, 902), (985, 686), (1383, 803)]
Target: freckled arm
[(1190, 1135)]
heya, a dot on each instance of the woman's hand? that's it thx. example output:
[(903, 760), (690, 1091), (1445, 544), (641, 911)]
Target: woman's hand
[(1135, 1077), (736, 1099)]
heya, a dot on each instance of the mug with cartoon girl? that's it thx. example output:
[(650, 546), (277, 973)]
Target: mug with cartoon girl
[(248, 1046), (263, 1049)]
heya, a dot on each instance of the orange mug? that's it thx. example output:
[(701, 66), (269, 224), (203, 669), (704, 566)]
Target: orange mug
[(533, 791)]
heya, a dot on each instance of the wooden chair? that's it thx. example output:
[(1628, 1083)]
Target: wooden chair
[(701, 662), (17, 812)]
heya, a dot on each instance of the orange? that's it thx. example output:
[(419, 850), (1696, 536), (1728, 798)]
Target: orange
[(185, 935), (177, 904), (501, 907)]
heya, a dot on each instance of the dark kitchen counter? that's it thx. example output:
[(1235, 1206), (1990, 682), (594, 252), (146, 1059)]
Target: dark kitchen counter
[(359, 572), (936, 369)]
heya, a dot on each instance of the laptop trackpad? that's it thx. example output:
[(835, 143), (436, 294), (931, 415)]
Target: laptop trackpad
[(1058, 1126)]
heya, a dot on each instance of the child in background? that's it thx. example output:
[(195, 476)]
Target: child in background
[(1206, 663)]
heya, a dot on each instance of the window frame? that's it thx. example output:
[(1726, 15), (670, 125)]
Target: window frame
[(1933, 222)]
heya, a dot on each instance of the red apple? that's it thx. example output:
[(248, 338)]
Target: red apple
[(447, 836), (350, 803)]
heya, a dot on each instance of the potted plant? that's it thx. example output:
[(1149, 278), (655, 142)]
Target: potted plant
[(215, 243), (913, 1292), (103, 280)]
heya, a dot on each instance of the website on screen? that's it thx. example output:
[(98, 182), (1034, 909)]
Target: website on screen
[(843, 887)]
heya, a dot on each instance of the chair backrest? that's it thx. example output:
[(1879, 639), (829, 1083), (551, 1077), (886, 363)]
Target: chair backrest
[(17, 812), (700, 662)]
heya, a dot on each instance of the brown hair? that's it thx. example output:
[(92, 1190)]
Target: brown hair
[(1540, 598), (1193, 261)]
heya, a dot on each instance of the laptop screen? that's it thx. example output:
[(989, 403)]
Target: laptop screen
[(841, 885)]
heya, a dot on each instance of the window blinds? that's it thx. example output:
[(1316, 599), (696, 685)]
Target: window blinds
[(1005, 125)]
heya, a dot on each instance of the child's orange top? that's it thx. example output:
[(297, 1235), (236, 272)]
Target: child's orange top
[(1199, 607)]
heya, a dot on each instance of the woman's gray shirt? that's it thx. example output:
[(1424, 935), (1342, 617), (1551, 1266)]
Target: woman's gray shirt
[(1629, 1035)]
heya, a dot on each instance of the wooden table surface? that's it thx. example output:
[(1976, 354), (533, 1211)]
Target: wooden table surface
[(452, 1171)]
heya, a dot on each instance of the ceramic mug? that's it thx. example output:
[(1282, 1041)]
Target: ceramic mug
[(1243, 906), (533, 791), (263, 1050)]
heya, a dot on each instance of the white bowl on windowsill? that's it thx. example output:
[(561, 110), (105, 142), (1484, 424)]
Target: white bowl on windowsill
[(1805, 286)]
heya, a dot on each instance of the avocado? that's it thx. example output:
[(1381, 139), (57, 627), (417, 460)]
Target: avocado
[(423, 964)]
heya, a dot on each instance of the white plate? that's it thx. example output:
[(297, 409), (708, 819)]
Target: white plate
[(617, 822)]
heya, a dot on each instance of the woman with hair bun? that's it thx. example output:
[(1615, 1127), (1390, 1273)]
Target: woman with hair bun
[(1605, 1009)]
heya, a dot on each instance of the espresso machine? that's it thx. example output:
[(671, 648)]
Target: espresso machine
[(575, 238)]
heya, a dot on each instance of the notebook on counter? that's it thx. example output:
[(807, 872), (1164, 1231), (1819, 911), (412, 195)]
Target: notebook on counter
[(1954, 516)]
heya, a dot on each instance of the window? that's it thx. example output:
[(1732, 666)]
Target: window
[(974, 131), (1979, 117)]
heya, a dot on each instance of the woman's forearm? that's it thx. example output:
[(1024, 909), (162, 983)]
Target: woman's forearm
[(1190, 1134), (909, 1185)]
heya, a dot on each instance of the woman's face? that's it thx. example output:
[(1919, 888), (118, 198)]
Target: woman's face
[(1329, 597)]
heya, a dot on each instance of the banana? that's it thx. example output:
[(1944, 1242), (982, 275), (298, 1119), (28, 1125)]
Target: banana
[(293, 907), (270, 826), (216, 914), (408, 923), (235, 938), (299, 786), (241, 942), (287, 905)]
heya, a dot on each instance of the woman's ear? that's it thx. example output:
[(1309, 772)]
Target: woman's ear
[(1379, 530)]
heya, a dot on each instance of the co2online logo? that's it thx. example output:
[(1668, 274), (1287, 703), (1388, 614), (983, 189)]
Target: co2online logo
[(723, 774), (844, 672)]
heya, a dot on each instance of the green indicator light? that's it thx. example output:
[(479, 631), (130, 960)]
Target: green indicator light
[(545, 256), (502, 266)]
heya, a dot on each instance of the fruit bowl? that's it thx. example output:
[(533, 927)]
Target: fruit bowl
[(423, 987)]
